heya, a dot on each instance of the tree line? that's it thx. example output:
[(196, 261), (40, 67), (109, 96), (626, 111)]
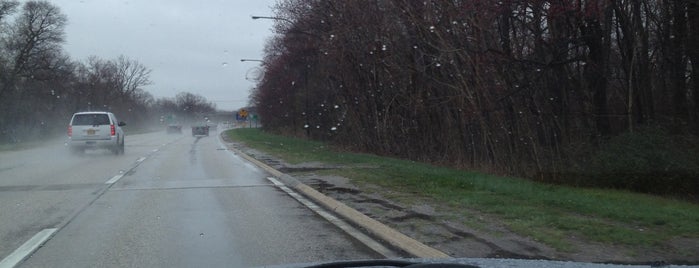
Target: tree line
[(41, 86), (545, 89)]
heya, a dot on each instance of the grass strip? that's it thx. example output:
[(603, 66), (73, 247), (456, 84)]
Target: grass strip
[(549, 213)]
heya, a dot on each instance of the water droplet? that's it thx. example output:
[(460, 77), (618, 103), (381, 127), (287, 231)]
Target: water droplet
[(432, 29), (438, 64), (333, 128), (337, 106), (414, 47), (383, 47), (201, 234), (224, 64), (317, 126), (305, 126)]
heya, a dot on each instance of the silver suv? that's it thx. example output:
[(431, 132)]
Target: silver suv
[(95, 130)]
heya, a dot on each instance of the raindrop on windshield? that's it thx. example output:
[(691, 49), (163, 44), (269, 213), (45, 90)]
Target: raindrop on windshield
[(224, 64)]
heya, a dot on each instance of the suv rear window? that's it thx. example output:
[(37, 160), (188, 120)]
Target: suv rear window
[(90, 119)]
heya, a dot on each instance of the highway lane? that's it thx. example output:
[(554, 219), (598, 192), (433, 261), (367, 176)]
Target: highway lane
[(175, 200), (42, 187)]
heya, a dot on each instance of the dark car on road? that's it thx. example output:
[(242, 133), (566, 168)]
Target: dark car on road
[(200, 130)]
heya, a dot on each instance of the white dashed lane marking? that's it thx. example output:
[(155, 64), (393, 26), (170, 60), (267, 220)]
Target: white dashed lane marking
[(27, 248), (114, 179)]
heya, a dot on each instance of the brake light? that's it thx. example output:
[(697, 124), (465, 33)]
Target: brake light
[(70, 131), (113, 129)]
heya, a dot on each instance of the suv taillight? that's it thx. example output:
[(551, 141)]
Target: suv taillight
[(113, 129), (70, 131)]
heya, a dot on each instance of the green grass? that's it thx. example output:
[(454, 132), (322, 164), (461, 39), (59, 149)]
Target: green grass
[(549, 213)]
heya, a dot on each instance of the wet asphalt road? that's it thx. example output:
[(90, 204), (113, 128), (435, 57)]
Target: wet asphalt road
[(170, 200)]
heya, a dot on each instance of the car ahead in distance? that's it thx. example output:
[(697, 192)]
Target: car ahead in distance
[(174, 128), (200, 130), (95, 130)]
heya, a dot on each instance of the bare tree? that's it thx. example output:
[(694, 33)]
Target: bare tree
[(524, 87), (131, 75)]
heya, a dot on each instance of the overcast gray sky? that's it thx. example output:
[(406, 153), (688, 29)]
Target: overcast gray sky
[(190, 45)]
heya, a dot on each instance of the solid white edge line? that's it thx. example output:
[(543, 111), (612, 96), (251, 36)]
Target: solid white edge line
[(232, 154), (27, 248), (346, 227), (114, 179), (275, 181)]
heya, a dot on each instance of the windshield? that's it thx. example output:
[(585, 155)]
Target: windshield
[(284, 132)]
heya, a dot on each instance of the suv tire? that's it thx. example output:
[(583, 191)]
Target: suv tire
[(118, 148)]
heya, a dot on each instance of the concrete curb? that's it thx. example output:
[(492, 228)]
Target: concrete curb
[(374, 227)]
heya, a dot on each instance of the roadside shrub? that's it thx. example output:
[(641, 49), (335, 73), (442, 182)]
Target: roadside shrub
[(649, 161)]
